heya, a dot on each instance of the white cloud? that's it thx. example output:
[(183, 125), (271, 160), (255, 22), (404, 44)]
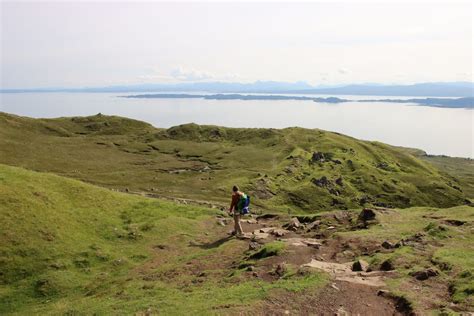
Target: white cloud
[(182, 74), (343, 71)]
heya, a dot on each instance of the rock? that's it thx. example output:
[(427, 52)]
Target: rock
[(387, 245), (222, 221), (399, 244), (367, 214), (424, 274), (254, 245), (335, 287), (318, 157), (360, 265), (280, 232), (322, 182), (455, 222), (266, 230), (331, 228), (281, 269), (311, 243), (313, 225), (383, 293), (294, 224), (342, 312), (259, 235), (252, 221), (387, 265)]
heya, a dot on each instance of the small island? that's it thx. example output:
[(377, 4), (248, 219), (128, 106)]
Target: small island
[(467, 102)]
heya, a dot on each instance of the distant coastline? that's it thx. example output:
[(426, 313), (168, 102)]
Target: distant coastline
[(467, 102)]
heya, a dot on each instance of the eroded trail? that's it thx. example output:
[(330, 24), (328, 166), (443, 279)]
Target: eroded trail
[(347, 293), (306, 247)]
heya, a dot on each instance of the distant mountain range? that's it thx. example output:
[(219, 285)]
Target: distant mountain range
[(467, 102), (441, 89)]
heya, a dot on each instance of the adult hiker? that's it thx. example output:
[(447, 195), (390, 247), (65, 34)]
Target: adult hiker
[(238, 207)]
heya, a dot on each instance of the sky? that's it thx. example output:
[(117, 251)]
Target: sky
[(77, 44)]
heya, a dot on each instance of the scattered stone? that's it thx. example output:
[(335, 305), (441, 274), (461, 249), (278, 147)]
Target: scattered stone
[(331, 228), (252, 221), (342, 312), (360, 265), (294, 224), (399, 244), (424, 274), (335, 287), (387, 265), (383, 293), (260, 236), (222, 221), (281, 269), (254, 245), (318, 157), (266, 230), (387, 245), (367, 214), (280, 232), (322, 182), (455, 222), (312, 243), (314, 225)]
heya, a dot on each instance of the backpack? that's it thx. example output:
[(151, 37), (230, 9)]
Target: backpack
[(246, 204)]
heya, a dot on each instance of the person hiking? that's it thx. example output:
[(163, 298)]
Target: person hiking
[(237, 205)]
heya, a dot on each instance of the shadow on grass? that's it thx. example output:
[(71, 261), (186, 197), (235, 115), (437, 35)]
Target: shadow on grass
[(213, 244)]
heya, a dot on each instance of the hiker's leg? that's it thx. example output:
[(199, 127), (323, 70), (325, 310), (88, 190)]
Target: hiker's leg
[(237, 225)]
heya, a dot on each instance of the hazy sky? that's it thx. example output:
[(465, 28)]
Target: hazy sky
[(104, 43)]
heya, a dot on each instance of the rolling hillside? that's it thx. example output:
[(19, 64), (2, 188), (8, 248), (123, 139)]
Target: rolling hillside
[(70, 248), (289, 170)]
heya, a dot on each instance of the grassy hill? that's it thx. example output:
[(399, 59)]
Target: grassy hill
[(289, 170), (70, 248)]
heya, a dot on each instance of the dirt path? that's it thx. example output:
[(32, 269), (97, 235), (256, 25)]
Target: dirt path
[(348, 292)]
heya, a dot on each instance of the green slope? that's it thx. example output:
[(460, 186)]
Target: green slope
[(202, 162), (69, 248)]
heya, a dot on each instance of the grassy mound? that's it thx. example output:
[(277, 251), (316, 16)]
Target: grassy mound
[(293, 168), (67, 247)]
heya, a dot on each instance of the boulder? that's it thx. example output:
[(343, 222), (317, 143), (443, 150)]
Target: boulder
[(387, 265), (260, 236), (387, 245), (360, 265), (314, 225), (279, 232), (424, 274), (367, 214), (281, 269), (318, 157), (322, 182), (294, 224), (254, 245)]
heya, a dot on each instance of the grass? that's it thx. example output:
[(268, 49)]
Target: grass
[(67, 247), (447, 248), (270, 249), (203, 162)]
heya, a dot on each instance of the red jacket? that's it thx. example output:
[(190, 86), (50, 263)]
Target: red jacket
[(235, 199)]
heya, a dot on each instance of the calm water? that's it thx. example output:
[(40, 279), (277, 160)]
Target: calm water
[(435, 130)]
